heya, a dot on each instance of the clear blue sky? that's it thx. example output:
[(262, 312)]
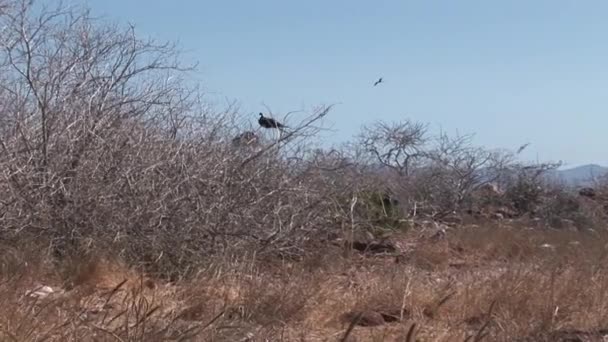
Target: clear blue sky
[(511, 72)]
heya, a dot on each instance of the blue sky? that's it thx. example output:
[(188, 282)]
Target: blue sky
[(511, 72)]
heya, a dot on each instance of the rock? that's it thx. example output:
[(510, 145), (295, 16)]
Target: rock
[(375, 247), (364, 318), (476, 321), (452, 219), (506, 212), (40, 292), (350, 338), (491, 190), (394, 315), (587, 192), (473, 212), (149, 283), (568, 335), (248, 337), (438, 235), (547, 246), (568, 224), (458, 264), (193, 313), (438, 232), (402, 259)]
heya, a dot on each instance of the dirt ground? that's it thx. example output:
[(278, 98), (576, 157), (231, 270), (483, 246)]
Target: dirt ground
[(492, 284)]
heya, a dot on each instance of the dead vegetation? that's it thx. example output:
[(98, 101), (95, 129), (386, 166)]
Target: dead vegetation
[(517, 289), (133, 210)]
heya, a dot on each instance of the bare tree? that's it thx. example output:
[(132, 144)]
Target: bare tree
[(456, 168), (395, 145), (434, 175), (76, 89), (68, 79), (526, 184), (105, 142)]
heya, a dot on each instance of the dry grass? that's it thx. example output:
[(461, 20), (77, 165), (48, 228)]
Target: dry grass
[(533, 291)]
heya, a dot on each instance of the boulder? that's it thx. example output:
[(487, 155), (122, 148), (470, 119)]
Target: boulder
[(587, 192), (375, 247)]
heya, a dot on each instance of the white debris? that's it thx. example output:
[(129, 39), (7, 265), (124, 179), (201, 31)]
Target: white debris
[(40, 292)]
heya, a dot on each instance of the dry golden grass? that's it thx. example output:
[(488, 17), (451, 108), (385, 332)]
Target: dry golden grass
[(502, 284)]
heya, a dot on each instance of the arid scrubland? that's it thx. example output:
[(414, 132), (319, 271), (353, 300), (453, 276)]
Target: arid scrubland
[(134, 209)]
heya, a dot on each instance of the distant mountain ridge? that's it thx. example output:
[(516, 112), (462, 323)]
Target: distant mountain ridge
[(581, 175)]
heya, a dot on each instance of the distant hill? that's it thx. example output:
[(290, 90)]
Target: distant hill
[(580, 175), (576, 177)]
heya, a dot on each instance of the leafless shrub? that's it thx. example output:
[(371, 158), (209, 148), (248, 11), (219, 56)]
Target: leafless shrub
[(398, 146), (104, 143), (435, 175), (456, 168), (526, 185), (444, 175)]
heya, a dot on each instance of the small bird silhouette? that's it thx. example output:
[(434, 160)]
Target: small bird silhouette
[(269, 122), (378, 82)]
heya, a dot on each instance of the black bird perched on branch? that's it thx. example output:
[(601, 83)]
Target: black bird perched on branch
[(378, 82), (269, 122)]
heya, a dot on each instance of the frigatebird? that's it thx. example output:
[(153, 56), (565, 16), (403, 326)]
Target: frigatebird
[(269, 122)]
